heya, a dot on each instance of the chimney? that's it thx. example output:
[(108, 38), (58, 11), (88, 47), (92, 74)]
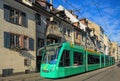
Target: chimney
[(84, 21), (76, 24), (51, 7), (70, 11), (42, 3), (51, 1), (75, 16)]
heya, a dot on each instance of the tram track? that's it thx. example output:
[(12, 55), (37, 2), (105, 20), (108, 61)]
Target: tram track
[(106, 71), (106, 75), (96, 75)]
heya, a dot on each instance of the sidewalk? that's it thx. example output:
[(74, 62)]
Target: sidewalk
[(22, 77)]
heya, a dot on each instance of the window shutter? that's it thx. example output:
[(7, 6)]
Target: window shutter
[(38, 19), (6, 13), (31, 44), (24, 20), (21, 40), (6, 39)]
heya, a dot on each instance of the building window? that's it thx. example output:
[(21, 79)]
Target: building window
[(78, 58), (83, 37), (52, 40), (40, 42), (15, 16), (14, 40), (18, 41), (77, 35), (64, 31), (38, 19), (67, 32), (27, 62)]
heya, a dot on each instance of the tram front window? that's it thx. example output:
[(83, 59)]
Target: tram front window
[(51, 55)]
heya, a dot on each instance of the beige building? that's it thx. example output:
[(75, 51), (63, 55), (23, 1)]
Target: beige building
[(24, 31), (18, 38), (59, 28), (119, 53), (88, 39), (106, 45), (114, 50), (79, 35), (99, 32), (77, 28)]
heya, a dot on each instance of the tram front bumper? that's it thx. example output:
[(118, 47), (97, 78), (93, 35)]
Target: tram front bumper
[(48, 74)]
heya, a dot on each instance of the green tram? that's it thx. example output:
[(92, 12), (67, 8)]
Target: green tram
[(66, 59)]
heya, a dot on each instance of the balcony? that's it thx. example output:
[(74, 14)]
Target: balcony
[(53, 30)]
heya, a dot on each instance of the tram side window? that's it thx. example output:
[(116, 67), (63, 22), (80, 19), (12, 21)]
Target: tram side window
[(93, 59), (97, 59), (102, 59), (90, 59), (78, 58), (107, 60), (65, 59)]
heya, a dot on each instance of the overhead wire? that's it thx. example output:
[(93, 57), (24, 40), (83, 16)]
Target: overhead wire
[(104, 22), (74, 8)]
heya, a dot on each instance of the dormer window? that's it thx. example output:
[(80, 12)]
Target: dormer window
[(48, 8), (33, 1), (28, 2)]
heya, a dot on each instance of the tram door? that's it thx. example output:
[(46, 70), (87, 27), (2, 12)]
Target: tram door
[(78, 62), (65, 61)]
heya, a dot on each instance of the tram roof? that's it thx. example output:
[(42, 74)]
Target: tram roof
[(70, 45), (92, 51)]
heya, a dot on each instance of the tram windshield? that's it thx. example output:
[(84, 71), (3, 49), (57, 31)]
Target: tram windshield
[(51, 54)]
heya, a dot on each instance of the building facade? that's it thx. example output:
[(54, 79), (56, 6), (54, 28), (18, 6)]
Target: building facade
[(78, 28), (18, 38), (98, 33), (114, 50), (118, 53), (106, 45)]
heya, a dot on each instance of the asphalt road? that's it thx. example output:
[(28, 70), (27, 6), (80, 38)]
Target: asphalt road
[(111, 73)]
